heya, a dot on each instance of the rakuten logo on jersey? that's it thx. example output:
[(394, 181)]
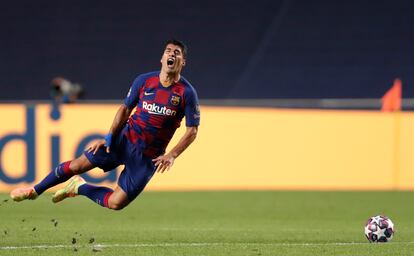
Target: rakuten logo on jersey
[(153, 108)]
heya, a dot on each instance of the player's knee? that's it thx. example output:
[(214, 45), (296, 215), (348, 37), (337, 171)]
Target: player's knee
[(115, 206), (79, 165), (116, 203), (75, 167)]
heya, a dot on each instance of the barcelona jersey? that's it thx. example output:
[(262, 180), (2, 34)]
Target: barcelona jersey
[(159, 111)]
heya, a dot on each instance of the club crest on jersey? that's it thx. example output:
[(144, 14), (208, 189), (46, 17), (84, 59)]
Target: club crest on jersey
[(175, 100)]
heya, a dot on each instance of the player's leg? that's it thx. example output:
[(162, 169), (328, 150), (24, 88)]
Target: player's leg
[(118, 200), (106, 197), (64, 172), (60, 174), (78, 186), (132, 180)]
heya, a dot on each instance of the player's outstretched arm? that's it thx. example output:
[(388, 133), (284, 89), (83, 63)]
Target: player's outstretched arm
[(165, 162), (119, 121)]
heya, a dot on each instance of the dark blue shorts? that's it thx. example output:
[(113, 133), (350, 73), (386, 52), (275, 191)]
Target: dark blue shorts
[(138, 170)]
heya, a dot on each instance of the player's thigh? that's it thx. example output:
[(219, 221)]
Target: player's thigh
[(135, 177), (80, 165), (102, 159), (118, 199)]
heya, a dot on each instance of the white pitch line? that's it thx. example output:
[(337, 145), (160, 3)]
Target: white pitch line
[(98, 246)]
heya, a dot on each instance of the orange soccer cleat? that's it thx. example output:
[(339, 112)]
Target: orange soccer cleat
[(71, 190), (20, 194)]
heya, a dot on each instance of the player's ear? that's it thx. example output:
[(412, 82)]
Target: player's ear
[(184, 62)]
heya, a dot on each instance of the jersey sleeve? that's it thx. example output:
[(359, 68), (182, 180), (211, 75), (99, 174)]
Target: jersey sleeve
[(132, 97), (192, 108)]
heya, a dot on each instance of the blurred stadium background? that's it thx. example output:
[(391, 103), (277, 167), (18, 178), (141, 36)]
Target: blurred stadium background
[(238, 50), (290, 90), (270, 55)]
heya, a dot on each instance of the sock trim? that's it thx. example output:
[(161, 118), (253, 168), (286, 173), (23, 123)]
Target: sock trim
[(106, 198), (65, 167)]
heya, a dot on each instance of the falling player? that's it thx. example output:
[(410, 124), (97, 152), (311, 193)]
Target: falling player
[(162, 99)]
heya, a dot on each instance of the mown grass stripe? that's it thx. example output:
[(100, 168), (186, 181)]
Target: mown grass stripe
[(191, 245)]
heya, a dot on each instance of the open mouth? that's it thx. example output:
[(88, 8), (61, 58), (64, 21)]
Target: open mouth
[(170, 62)]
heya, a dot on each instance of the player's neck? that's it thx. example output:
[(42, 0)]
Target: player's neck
[(167, 79)]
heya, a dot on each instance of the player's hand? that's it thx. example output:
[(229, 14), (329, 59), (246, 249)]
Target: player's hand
[(163, 163), (94, 148)]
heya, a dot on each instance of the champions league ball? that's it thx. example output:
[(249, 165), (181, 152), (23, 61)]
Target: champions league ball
[(379, 229)]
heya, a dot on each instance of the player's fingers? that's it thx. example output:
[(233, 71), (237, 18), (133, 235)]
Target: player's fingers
[(159, 168), (107, 150), (165, 166), (95, 148)]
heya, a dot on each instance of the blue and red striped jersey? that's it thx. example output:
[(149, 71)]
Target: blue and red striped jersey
[(159, 111)]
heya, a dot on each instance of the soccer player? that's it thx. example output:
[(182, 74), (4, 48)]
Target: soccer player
[(138, 141)]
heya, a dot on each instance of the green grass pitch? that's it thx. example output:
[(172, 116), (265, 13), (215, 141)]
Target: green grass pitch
[(208, 223)]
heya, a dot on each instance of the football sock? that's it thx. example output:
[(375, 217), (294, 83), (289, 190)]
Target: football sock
[(61, 174), (99, 195)]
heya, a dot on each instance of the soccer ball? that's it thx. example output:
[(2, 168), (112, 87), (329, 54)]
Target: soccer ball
[(379, 229)]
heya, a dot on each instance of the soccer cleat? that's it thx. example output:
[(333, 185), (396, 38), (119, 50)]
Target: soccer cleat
[(71, 190), (20, 194)]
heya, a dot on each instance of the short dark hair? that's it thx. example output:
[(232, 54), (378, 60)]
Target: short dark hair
[(180, 44)]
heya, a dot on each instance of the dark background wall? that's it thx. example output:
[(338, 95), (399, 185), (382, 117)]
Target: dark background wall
[(237, 49)]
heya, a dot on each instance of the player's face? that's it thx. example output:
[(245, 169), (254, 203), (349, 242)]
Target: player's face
[(172, 60)]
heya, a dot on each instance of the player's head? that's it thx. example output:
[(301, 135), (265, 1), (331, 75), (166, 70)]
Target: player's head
[(174, 56)]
